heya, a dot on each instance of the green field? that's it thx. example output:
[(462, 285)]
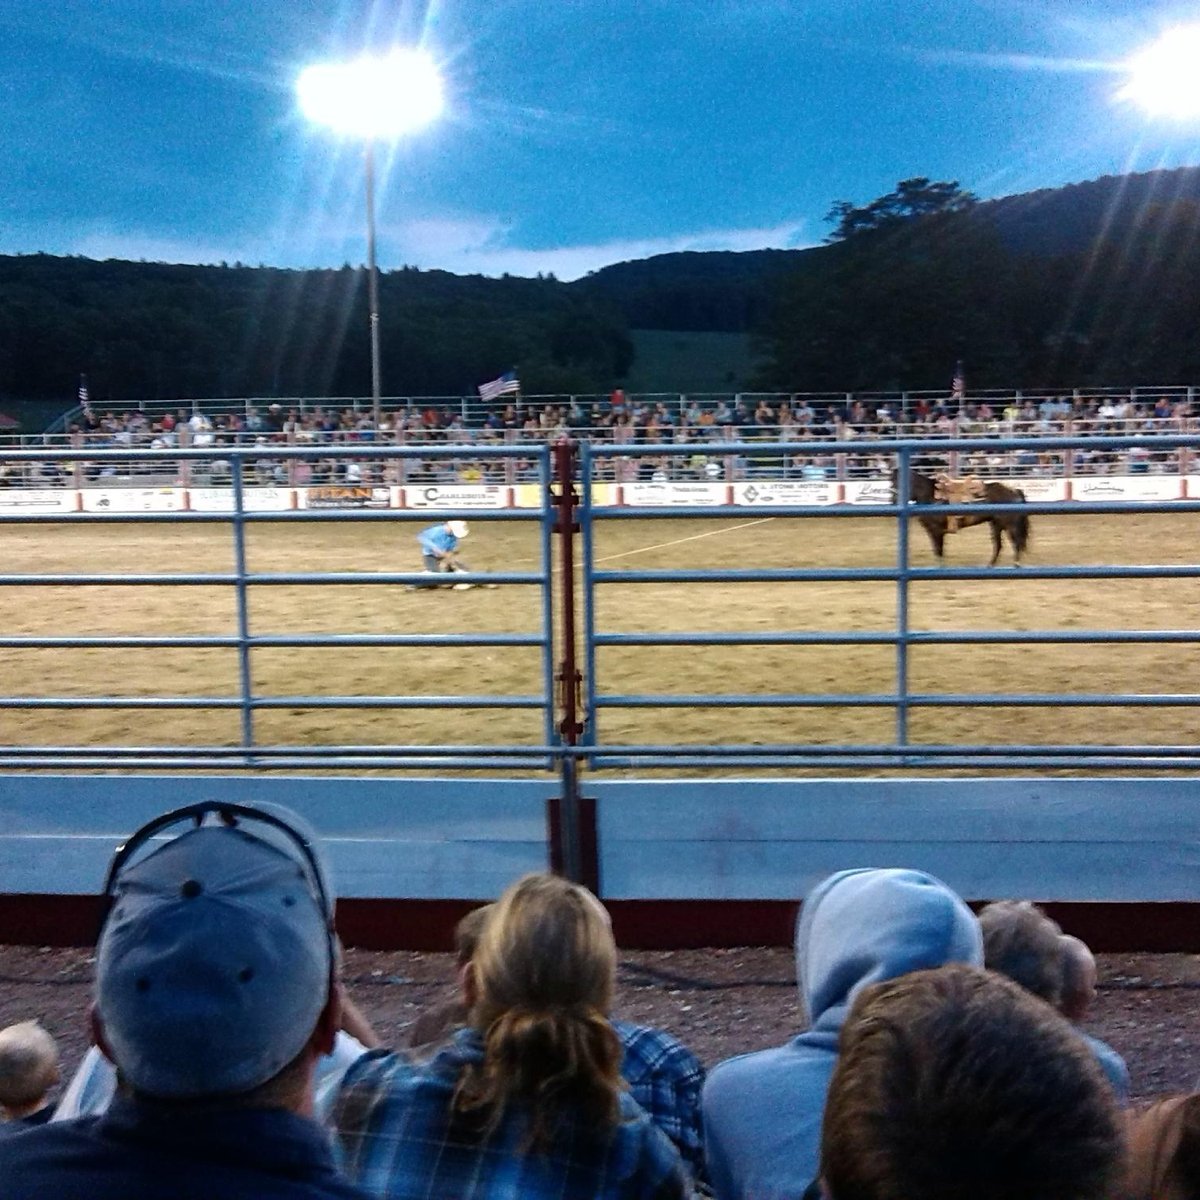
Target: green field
[(1010, 601), (668, 361)]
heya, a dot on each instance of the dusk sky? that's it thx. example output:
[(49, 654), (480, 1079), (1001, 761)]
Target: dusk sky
[(577, 132)]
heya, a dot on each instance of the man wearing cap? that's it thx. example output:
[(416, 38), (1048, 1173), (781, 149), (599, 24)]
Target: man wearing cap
[(215, 994), (439, 548)]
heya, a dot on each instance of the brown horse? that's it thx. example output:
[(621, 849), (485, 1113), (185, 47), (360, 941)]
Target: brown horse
[(922, 490)]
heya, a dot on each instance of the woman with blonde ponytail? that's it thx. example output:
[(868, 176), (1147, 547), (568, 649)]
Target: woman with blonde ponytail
[(528, 1099)]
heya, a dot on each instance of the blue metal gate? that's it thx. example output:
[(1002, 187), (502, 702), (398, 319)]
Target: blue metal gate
[(251, 752), (902, 751)]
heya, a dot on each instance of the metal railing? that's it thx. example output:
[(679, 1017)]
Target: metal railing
[(902, 751), (249, 751), (575, 692), (254, 413), (836, 450)]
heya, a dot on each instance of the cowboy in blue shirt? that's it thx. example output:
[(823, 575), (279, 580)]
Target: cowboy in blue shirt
[(439, 544)]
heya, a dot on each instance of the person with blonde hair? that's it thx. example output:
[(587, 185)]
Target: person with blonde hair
[(28, 1070), (527, 1099)]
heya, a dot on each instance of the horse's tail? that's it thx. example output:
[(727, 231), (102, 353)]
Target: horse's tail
[(1021, 527)]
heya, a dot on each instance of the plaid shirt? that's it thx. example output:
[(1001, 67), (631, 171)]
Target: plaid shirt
[(393, 1121), (666, 1078)]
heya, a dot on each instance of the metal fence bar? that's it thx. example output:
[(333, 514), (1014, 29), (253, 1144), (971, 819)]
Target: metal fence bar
[(890, 574), (914, 636), (549, 732), (206, 641), (264, 702), (590, 636), (242, 600), (894, 699), (903, 481)]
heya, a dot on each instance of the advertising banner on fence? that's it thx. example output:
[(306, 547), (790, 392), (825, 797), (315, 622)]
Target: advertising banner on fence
[(762, 493), (255, 499), (529, 495), (131, 500), (868, 491), (1127, 487), (38, 500), (698, 495), (1039, 490), (451, 496), (347, 496)]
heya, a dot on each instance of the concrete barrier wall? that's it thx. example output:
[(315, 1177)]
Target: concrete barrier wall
[(1085, 840)]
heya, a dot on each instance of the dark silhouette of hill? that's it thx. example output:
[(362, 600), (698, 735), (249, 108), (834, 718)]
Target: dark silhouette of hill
[(1096, 281), (732, 291), (714, 290), (160, 331), (1110, 299)]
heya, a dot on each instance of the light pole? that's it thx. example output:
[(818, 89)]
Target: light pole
[(376, 99)]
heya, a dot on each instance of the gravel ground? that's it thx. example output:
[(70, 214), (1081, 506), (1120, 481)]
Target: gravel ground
[(720, 1002)]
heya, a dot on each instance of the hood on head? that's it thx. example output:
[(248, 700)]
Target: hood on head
[(866, 925)]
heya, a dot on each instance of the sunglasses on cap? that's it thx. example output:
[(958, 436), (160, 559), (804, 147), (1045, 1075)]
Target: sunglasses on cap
[(230, 816)]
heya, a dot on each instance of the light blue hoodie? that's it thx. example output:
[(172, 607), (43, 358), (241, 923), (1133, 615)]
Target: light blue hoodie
[(762, 1111)]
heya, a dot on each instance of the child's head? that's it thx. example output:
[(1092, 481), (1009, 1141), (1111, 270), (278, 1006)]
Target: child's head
[(28, 1067)]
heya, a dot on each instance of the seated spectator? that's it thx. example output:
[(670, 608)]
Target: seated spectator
[(762, 1111), (1164, 1151), (215, 993), (527, 1100), (663, 1075), (1020, 941), (957, 1084), (28, 1071)]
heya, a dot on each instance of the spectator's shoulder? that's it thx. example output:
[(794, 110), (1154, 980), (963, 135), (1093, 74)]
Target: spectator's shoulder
[(654, 1051), (729, 1077)]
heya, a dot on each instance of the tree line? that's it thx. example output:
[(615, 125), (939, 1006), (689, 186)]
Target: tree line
[(158, 331), (911, 284), (1093, 284)]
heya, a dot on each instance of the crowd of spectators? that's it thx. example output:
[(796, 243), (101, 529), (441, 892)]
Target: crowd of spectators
[(940, 1055), (622, 420)]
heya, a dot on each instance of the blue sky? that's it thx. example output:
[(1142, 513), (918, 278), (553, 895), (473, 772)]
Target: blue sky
[(577, 133)]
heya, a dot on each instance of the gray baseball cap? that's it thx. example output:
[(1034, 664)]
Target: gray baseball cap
[(217, 955)]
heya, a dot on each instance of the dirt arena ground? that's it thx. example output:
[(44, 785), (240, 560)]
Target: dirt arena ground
[(1009, 602), (720, 1002)]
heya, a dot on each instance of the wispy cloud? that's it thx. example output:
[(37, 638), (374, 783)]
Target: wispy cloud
[(466, 245), (1004, 61), (485, 246)]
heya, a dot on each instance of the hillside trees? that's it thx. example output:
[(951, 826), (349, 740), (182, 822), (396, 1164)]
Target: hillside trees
[(913, 198), (895, 306), (156, 331)]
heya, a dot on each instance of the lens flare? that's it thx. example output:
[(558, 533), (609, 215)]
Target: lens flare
[(1163, 80), (375, 97)]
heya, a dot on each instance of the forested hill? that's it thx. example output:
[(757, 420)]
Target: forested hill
[(1094, 282), (712, 290), (155, 331), (732, 291)]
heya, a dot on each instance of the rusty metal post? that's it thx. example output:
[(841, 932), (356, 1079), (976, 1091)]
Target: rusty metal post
[(572, 818)]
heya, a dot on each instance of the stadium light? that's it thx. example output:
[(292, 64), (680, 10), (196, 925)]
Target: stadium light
[(1163, 80), (378, 99)]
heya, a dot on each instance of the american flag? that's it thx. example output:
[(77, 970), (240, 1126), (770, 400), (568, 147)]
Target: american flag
[(958, 385), (83, 389), (507, 385)]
